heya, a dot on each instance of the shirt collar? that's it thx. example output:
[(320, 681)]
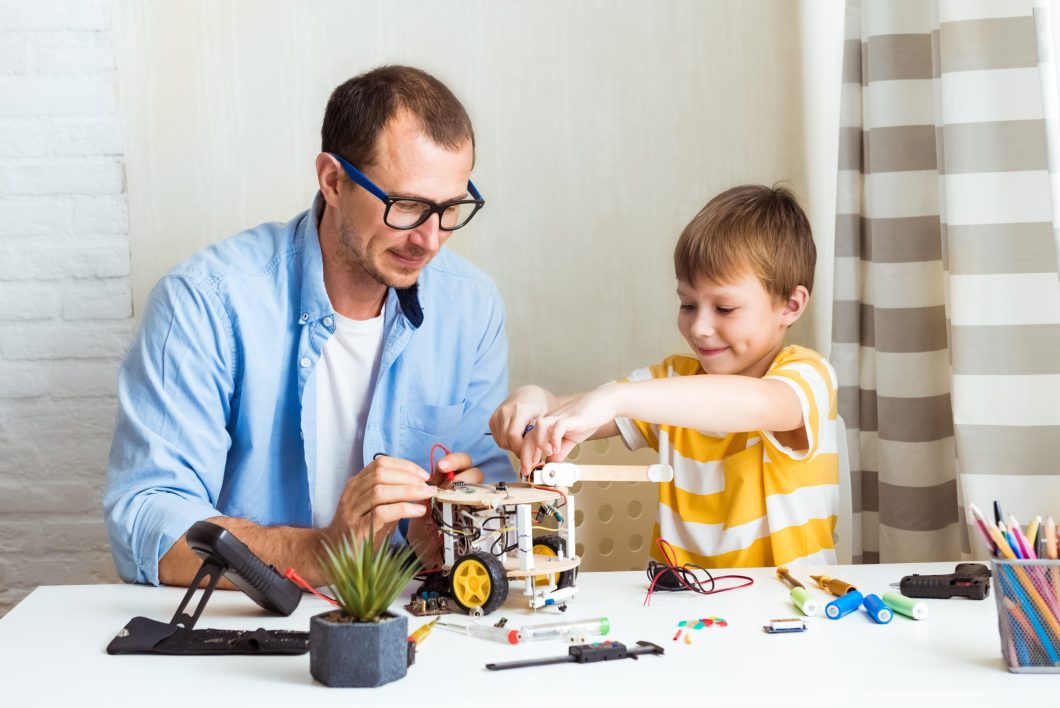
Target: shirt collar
[(314, 302)]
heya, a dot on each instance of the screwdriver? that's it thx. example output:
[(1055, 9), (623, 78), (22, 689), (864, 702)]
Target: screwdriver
[(420, 634), (833, 585)]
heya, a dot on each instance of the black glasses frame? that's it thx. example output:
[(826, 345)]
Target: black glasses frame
[(432, 208)]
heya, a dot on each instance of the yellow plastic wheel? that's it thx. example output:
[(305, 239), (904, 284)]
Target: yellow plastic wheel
[(471, 583), (478, 582)]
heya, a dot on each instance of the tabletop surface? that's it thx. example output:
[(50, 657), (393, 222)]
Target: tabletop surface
[(52, 649)]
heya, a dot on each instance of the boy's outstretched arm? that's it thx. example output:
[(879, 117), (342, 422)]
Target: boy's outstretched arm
[(716, 402)]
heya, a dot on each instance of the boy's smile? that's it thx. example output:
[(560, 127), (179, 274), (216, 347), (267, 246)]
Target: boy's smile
[(736, 327)]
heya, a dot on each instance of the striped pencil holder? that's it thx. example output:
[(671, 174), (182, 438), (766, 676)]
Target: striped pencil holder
[(1028, 614)]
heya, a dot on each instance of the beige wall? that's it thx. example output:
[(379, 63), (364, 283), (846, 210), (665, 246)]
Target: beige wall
[(602, 127)]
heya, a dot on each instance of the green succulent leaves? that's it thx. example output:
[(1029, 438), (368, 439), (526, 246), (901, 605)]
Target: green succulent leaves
[(364, 578)]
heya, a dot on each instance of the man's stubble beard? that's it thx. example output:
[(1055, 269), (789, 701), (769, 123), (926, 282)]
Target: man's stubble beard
[(362, 264)]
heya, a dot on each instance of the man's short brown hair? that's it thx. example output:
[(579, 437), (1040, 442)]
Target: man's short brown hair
[(750, 227), (359, 109)]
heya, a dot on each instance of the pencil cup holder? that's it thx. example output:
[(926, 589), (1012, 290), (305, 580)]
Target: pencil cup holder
[(1028, 614)]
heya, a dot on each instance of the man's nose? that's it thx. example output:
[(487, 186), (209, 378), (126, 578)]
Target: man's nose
[(428, 235)]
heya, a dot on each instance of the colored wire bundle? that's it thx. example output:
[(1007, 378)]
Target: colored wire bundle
[(685, 575)]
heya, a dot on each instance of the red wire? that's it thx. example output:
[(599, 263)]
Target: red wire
[(670, 559), (448, 475), (551, 489), (430, 570), (297, 579)]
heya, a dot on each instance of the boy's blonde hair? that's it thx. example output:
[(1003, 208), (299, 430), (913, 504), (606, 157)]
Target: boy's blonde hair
[(749, 227)]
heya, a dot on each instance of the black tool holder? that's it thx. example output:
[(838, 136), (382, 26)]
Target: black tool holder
[(147, 636)]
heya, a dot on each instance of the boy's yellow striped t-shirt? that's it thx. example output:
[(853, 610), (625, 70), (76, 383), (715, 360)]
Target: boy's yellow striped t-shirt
[(744, 499)]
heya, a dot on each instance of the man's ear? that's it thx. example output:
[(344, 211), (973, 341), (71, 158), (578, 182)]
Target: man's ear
[(329, 174), (795, 305)]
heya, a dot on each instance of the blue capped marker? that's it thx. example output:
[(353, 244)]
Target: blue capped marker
[(877, 610), (843, 606)]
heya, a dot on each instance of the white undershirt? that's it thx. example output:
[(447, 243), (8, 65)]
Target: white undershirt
[(346, 374)]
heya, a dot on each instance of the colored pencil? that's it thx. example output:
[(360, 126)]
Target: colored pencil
[(1028, 632), (1011, 540), (980, 523), (1051, 553), (1021, 539), (1001, 543), (1033, 529)]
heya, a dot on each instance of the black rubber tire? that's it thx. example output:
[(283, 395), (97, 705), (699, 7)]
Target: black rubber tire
[(559, 547)]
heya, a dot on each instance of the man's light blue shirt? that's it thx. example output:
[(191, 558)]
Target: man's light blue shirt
[(217, 399)]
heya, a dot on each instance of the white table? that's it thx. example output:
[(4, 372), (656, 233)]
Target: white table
[(52, 652)]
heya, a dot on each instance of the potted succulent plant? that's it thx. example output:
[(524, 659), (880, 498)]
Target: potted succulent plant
[(360, 643)]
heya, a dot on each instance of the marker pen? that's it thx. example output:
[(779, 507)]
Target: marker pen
[(561, 630), (843, 606), (484, 631), (800, 597), (906, 606), (877, 609)]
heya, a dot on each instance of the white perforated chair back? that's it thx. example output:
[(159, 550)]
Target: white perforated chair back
[(614, 520)]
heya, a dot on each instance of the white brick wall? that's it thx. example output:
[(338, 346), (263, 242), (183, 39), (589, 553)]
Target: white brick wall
[(65, 300)]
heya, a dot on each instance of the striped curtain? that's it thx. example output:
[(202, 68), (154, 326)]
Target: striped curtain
[(946, 333)]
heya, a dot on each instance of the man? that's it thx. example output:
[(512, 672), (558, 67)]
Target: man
[(290, 382)]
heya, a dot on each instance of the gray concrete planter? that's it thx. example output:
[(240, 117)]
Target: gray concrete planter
[(345, 654)]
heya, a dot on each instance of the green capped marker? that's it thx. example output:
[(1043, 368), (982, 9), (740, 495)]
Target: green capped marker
[(800, 596), (906, 606)]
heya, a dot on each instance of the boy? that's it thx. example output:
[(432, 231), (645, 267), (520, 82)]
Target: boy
[(751, 423)]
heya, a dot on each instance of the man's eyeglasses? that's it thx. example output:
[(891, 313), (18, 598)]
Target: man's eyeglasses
[(408, 212)]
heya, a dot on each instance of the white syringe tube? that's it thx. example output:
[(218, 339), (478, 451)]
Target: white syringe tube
[(562, 630), (484, 631)]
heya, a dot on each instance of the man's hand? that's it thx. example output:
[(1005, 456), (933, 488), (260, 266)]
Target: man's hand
[(380, 495), (423, 533), (519, 410), (561, 429)]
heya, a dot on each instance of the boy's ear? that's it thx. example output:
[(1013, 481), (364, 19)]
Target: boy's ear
[(795, 305)]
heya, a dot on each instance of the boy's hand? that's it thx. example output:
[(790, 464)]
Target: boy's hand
[(521, 409), (558, 432)]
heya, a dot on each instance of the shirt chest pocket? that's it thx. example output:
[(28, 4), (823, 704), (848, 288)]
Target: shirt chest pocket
[(436, 421)]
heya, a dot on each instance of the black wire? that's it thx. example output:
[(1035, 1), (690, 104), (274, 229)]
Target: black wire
[(451, 529), (686, 573)]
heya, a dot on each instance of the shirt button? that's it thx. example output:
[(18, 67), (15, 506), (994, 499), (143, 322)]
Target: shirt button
[(305, 362), (305, 317), (328, 321)]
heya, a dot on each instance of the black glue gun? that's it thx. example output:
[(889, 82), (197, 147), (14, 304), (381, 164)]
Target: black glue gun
[(971, 580)]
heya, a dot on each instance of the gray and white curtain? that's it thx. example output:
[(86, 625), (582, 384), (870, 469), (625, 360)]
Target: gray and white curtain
[(946, 334)]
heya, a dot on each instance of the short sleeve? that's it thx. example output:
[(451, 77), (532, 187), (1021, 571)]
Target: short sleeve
[(812, 381)]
